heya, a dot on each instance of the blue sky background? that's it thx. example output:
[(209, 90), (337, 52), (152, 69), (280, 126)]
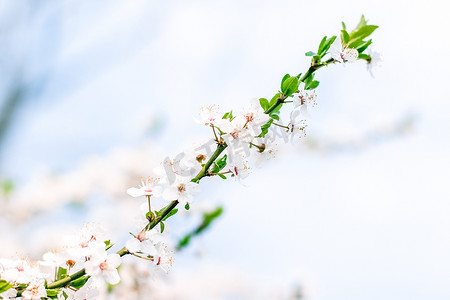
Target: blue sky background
[(369, 224)]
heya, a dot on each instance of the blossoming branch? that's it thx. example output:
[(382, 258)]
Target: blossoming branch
[(241, 140)]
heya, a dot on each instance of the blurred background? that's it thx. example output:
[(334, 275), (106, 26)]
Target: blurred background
[(95, 94)]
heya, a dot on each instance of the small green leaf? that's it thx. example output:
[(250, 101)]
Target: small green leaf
[(274, 99), (219, 164), (264, 103), (327, 45), (161, 225), (299, 75), (187, 206), (4, 286), (78, 283), (171, 213), (265, 128), (364, 46), (222, 176), (289, 86), (343, 25), (53, 293), (363, 32), (345, 38), (228, 115), (275, 116), (61, 273), (284, 78), (356, 43), (184, 241), (65, 295), (310, 53), (364, 56), (314, 84), (322, 45)]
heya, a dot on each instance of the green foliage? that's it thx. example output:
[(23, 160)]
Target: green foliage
[(4, 286), (289, 85), (187, 207), (228, 115), (310, 83), (265, 128), (345, 37), (79, 282), (184, 241), (53, 293), (310, 53), (324, 46), (219, 164), (208, 218), (355, 39), (264, 103), (61, 273), (171, 213), (365, 57), (162, 226)]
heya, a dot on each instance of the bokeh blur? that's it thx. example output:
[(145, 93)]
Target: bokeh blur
[(94, 94)]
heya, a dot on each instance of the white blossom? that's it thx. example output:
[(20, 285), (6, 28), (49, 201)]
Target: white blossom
[(304, 98), (343, 54), (144, 242), (183, 190), (149, 187), (208, 115), (35, 290), (104, 266), (296, 127)]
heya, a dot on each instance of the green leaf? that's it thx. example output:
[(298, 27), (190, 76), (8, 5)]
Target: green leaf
[(265, 128), (219, 164), (222, 176), (362, 22), (4, 286), (208, 218), (345, 37), (312, 85), (275, 116), (78, 283), (161, 225), (264, 103), (308, 79), (184, 241), (310, 53), (53, 293), (61, 273), (284, 78), (343, 25), (356, 43), (274, 99), (327, 45), (171, 213), (299, 75), (65, 295), (363, 32), (364, 56), (322, 45), (364, 46), (289, 86), (228, 115), (187, 206)]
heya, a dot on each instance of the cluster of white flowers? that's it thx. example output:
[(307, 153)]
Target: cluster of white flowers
[(85, 250)]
